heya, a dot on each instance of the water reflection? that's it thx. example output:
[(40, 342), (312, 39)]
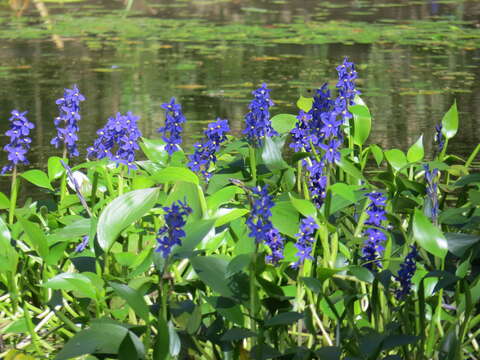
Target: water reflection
[(408, 87)]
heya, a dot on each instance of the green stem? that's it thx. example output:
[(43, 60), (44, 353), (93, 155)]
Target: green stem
[(472, 156), (93, 194), (13, 196), (253, 163), (13, 289), (444, 150), (203, 202), (31, 330), (253, 295)]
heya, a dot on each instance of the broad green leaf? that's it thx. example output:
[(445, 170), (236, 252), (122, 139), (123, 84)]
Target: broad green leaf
[(237, 334), (131, 348), (38, 178), (162, 347), (195, 233), (305, 103), (8, 254), (283, 123), (36, 237), (122, 212), (4, 201), (377, 153), (350, 168), (272, 153), (133, 298), (72, 231), (194, 321), (459, 243), (396, 158), (222, 196), (79, 283), (428, 236), (174, 174), (174, 343), (237, 265), (362, 121), (99, 339), (224, 216), (450, 122), (212, 270), (55, 168), (285, 218), (344, 190), (142, 182), (285, 318), (154, 150), (304, 207), (189, 192), (416, 152)]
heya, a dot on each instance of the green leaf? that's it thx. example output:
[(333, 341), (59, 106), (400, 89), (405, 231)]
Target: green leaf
[(362, 121), (396, 158), (8, 254), (344, 190), (122, 212), (73, 282), (55, 168), (174, 174), (304, 207), (285, 218), (174, 343), (228, 215), (237, 265), (377, 153), (416, 152), (283, 123), (194, 321), (131, 348), (272, 153), (154, 150), (103, 338), (458, 243), (450, 122), (361, 273), (222, 196), (4, 201), (285, 318), (133, 298), (428, 236), (350, 168), (237, 334), (38, 178), (161, 347), (36, 237), (195, 232), (211, 270), (305, 103)]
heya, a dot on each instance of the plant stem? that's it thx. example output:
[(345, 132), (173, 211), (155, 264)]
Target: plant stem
[(13, 196), (253, 163)]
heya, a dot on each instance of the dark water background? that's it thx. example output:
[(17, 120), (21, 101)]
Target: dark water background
[(210, 55)]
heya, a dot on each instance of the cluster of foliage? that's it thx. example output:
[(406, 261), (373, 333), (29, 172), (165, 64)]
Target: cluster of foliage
[(337, 251)]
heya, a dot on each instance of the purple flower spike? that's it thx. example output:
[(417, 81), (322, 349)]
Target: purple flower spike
[(258, 118), (67, 121), (305, 241), (405, 274), (261, 227), (204, 154), (172, 130), (20, 141), (375, 238), (172, 232)]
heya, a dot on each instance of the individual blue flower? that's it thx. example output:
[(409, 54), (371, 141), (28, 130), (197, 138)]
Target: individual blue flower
[(67, 121), (301, 134), (332, 153), (373, 246), (330, 125), (305, 240), (431, 179), (20, 141), (205, 152), (257, 119), (172, 232), (261, 227), (118, 140), (405, 274), (172, 130)]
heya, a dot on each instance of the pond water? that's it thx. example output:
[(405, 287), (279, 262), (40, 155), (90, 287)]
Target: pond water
[(414, 59)]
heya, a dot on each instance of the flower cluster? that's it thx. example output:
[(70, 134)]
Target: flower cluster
[(67, 121), (83, 244), (258, 118), (20, 142), (317, 181), (261, 227), (172, 232), (305, 241), (406, 272), (301, 134), (432, 192), (373, 246), (121, 133), (204, 154), (172, 131), (346, 88), (438, 138)]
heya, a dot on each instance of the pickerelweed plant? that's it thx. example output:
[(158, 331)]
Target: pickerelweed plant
[(298, 240)]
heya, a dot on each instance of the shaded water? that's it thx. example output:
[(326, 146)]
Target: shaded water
[(414, 59)]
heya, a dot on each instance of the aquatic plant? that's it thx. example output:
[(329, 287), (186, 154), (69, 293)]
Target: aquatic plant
[(340, 250)]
